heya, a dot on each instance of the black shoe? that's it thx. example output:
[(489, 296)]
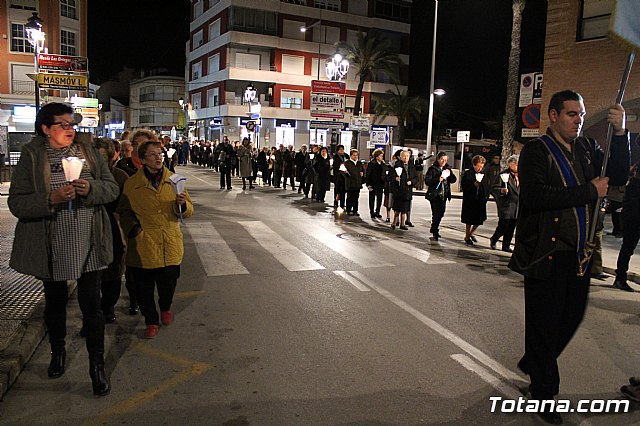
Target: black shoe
[(552, 417), (244, 188), (109, 317), (378, 215), (356, 214), (507, 249), (251, 187), (434, 237), (221, 188), (133, 310), (601, 276), (404, 228), (409, 224), (387, 220), (99, 380), (474, 239), (492, 244), (468, 241), (56, 366), (373, 216), (631, 391), (622, 285)]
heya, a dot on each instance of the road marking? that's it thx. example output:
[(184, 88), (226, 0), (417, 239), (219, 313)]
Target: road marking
[(352, 279), (190, 369), (286, 253), (508, 390), (450, 336), (357, 252), (201, 180), (216, 256)]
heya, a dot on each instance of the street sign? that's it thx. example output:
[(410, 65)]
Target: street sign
[(463, 136), (51, 62), (63, 81), (90, 116), (324, 86), (318, 124), (530, 133), (251, 126), (78, 101), (531, 116), (360, 123), (327, 99), (379, 137)]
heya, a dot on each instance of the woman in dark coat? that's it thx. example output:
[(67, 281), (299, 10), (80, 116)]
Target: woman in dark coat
[(474, 198), (402, 187), (322, 168), (506, 195), (375, 183), (438, 191)]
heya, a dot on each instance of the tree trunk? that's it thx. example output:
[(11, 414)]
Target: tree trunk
[(401, 131), (509, 119), (356, 111)]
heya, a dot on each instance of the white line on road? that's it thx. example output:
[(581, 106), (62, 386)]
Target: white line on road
[(216, 256), (507, 389), (196, 177), (351, 279), (289, 255), (450, 336)]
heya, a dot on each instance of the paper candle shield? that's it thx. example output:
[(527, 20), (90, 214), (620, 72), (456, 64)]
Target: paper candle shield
[(311, 156), (504, 177), (398, 171), (72, 167), (273, 157), (178, 183), (446, 173), (479, 176), (170, 152), (343, 168)]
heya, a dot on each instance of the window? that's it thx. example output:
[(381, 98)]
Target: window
[(397, 10), (291, 29), (324, 34), (291, 99), (196, 100), (327, 4), (293, 64), (196, 71), (67, 43), (214, 29), (19, 42), (68, 8), (24, 5), (247, 60), (214, 64), (21, 84), (198, 8), (358, 7), (197, 40), (253, 21), (213, 97), (594, 19)]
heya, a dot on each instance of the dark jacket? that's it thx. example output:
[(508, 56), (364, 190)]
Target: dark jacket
[(321, 168), (402, 191), (299, 161), (338, 178), (353, 175), (474, 198), (375, 175), (263, 165), (546, 205), (127, 165), (507, 203), (432, 180)]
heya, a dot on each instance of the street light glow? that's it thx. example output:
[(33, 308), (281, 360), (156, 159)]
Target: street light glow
[(439, 92)]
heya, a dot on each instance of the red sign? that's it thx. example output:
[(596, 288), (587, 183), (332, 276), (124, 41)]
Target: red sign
[(531, 116), (322, 86), (51, 62)]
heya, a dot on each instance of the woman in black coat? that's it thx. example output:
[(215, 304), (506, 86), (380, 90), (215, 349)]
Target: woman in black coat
[(322, 167), (506, 195), (438, 191), (474, 198), (402, 186), (375, 183)]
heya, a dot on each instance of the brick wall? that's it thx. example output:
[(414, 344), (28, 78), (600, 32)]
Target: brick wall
[(593, 68)]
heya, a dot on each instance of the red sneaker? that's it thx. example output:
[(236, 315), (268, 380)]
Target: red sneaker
[(151, 332), (166, 317)]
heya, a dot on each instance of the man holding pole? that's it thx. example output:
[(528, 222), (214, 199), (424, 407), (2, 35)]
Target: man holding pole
[(559, 188)]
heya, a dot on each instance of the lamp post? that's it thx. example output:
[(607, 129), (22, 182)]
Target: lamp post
[(36, 38), (433, 72), (315, 24), (250, 94), (337, 68), (183, 107)]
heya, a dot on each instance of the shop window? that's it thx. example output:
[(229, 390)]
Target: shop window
[(594, 19)]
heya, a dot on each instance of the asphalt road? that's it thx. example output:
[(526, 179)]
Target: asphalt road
[(285, 317)]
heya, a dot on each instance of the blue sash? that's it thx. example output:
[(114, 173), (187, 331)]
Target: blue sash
[(570, 180)]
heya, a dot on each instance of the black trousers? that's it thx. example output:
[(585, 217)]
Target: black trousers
[(438, 207), (291, 179), (225, 177), (505, 229), (630, 236), (375, 201), (130, 284), (165, 279), (554, 309), (338, 196), (617, 217), (110, 294), (55, 312), (277, 176), (353, 196)]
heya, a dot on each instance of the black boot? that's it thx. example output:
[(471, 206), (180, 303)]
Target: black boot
[(58, 357), (99, 379)]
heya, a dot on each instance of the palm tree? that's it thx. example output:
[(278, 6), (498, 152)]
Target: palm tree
[(509, 120), (370, 53), (403, 107)]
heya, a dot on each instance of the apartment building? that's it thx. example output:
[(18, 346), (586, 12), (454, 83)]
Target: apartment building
[(580, 56), (153, 103), (65, 26), (237, 43)]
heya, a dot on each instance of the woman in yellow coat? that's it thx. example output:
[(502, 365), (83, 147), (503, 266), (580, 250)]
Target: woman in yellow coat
[(150, 216)]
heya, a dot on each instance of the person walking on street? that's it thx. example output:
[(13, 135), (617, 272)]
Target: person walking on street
[(63, 231), (475, 194), (419, 165), (559, 185), (375, 180), (226, 161), (339, 191), (403, 178), (299, 162), (506, 195), (245, 158), (278, 166), (322, 169), (353, 182), (438, 180)]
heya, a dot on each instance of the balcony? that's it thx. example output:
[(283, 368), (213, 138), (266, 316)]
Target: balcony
[(23, 87)]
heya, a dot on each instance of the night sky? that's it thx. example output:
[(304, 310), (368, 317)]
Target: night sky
[(472, 51)]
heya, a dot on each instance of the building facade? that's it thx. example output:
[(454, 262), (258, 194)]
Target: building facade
[(580, 56), (153, 103), (236, 43), (65, 26)]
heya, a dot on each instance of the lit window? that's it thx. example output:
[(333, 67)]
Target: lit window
[(67, 43), (24, 5), (327, 4), (291, 99), (19, 42), (68, 8), (594, 19)]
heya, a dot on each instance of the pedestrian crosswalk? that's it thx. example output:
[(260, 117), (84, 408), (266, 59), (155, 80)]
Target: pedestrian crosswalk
[(218, 258)]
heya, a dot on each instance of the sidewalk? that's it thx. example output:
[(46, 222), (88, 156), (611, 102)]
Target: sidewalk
[(21, 297)]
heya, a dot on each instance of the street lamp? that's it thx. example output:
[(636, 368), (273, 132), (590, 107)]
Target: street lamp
[(36, 38), (315, 24), (432, 90), (337, 68)]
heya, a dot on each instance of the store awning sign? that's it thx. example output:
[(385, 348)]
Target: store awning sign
[(63, 81)]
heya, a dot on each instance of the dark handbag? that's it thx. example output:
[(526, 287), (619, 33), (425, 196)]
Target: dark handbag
[(431, 194)]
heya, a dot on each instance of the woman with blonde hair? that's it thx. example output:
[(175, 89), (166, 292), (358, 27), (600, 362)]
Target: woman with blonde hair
[(475, 194)]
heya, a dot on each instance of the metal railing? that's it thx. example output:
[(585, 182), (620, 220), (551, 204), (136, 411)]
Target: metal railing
[(22, 87)]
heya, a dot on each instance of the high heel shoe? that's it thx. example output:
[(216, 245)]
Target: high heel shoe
[(56, 366), (469, 241), (99, 380)]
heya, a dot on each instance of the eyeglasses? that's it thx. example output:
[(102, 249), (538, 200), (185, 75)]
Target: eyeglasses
[(155, 155), (65, 126)]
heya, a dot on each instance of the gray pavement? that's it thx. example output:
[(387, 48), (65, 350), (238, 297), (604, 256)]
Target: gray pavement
[(22, 331)]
